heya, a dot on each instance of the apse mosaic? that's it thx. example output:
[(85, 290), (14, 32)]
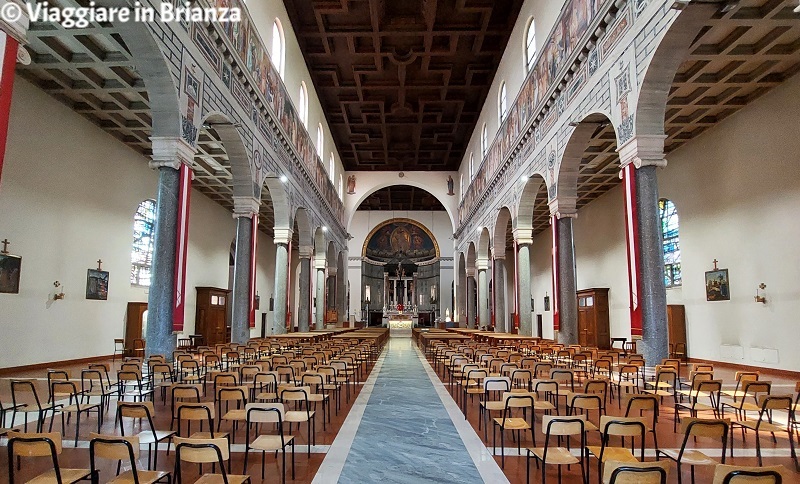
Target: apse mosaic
[(400, 240)]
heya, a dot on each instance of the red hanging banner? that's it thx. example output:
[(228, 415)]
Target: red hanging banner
[(8, 61), (253, 258), (554, 230), (632, 244), (181, 246)]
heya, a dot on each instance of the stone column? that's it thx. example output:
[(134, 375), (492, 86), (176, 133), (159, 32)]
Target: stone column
[(320, 293), (331, 287), (524, 241), (385, 302), (646, 154), (567, 288), (483, 293), (169, 155), (471, 303), (244, 209), (499, 287), (304, 313), (341, 290), (282, 239)]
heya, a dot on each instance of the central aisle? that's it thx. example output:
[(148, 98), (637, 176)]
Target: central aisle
[(406, 435)]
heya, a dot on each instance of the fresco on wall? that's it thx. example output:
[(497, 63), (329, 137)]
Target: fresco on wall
[(245, 40), (576, 16), (400, 240)]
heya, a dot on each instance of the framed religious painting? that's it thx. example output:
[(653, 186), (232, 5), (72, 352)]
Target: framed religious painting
[(10, 267), (97, 284), (717, 285)]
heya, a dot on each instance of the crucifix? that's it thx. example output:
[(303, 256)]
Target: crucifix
[(99, 264), (5, 243), (715, 264)]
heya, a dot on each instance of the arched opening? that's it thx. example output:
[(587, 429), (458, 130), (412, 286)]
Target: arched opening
[(278, 47), (529, 49), (504, 272)]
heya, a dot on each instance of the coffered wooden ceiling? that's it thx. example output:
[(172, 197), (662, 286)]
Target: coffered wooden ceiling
[(401, 197), (402, 82)]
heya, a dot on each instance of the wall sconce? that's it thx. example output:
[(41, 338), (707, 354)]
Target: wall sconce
[(58, 295), (759, 298), (546, 302)]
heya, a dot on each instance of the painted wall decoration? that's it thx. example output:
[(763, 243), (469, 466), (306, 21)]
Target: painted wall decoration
[(717, 285), (572, 25), (400, 239), (243, 37)]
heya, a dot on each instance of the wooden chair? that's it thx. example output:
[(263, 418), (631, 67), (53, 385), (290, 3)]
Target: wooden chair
[(728, 474), (741, 377), (559, 426), (206, 451), (268, 413), (25, 400), (512, 402), (768, 404), (112, 447), (119, 349), (74, 405), (636, 472), (700, 389), (641, 404), (144, 410), (751, 389), (618, 427), (22, 444), (716, 429)]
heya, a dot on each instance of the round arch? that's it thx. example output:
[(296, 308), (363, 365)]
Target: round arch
[(500, 229), (410, 181), (231, 139), (319, 243), (528, 201), (304, 232), (484, 241), (472, 258)]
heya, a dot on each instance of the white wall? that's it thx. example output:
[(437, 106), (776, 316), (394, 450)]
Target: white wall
[(542, 281), (68, 195), (737, 191), (437, 222)]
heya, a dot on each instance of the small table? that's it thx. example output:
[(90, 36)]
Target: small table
[(622, 345)]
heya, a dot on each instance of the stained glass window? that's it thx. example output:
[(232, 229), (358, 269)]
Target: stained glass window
[(671, 244), (144, 224)]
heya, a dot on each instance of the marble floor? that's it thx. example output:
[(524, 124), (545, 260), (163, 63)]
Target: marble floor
[(405, 429)]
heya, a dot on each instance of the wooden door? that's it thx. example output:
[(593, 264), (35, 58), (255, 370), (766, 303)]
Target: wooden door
[(133, 322), (211, 319), (587, 335)]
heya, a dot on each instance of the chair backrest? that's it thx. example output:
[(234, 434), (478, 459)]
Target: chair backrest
[(182, 392), (563, 425), (114, 447), (496, 384), (141, 410), (728, 474), (716, 429), (616, 472), (623, 426), (24, 392), (64, 389), (29, 444), (296, 394), (203, 411), (265, 412)]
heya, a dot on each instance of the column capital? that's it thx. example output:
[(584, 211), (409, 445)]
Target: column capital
[(499, 256), (563, 208), (523, 236), (245, 206), (306, 251), (18, 29), (643, 150), (320, 264), (470, 272), (171, 152), (282, 236), (483, 264)]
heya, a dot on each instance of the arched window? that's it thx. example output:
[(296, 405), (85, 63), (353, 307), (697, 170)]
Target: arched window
[(303, 104), (278, 47), (320, 140), (502, 103), (484, 141), (461, 186), (530, 45), (331, 167), (672, 248), (144, 226), (341, 187), (471, 166)]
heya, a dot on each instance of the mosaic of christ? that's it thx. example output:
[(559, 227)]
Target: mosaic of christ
[(397, 239)]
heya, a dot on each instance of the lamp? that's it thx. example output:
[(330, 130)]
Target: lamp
[(58, 295), (759, 298)]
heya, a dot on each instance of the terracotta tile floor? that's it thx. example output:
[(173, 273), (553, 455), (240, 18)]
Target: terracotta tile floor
[(306, 467)]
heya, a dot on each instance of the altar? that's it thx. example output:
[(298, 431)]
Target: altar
[(400, 327)]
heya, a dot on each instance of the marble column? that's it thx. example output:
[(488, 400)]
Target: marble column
[(331, 288), (524, 240), (282, 239), (168, 156), (498, 284), (244, 208), (471, 303), (341, 290), (304, 311), (645, 153), (483, 293), (320, 294), (567, 288)]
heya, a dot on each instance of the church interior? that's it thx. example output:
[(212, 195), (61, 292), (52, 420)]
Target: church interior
[(412, 241)]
